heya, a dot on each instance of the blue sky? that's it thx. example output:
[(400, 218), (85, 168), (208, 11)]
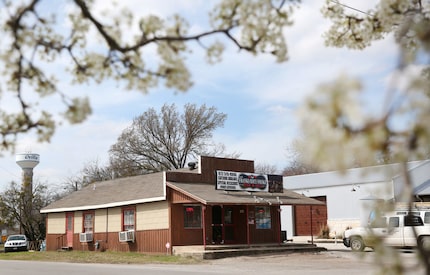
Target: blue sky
[(258, 95)]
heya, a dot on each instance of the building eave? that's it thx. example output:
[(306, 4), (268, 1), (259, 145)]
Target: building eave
[(102, 206)]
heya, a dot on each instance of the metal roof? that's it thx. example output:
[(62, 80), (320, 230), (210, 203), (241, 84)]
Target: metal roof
[(206, 194), (371, 174)]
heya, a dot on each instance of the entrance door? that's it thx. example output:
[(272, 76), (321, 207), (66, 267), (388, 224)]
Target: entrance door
[(217, 224), (69, 229), (229, 225)]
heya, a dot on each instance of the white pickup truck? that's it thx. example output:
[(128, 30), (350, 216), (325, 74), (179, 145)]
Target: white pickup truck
[(395, 230)]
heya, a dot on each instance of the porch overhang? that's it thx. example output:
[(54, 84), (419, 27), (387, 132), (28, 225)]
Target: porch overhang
[(208, 195)]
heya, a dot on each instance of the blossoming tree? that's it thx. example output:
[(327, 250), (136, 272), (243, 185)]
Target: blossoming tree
[(338, 128), (39, 42)]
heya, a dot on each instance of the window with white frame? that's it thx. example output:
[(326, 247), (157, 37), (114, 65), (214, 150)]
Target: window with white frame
[(128, 217), (88, 222)]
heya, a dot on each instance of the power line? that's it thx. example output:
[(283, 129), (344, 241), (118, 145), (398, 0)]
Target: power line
[(9, 172), (351, 8)]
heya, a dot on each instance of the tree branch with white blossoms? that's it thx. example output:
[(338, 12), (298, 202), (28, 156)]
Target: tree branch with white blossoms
[(34, 39), (339, 130)]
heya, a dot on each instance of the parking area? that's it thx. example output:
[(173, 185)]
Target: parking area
[(336, 259)]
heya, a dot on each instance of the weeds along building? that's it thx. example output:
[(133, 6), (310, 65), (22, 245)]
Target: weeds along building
[(213, 201)]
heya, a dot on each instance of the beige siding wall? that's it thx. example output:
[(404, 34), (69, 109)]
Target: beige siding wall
[(56, 223), (152, 216), (114, 219), (78, 222), (100, 220), (148, 216)]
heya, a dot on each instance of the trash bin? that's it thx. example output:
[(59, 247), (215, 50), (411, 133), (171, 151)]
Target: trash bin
[(283, 235)]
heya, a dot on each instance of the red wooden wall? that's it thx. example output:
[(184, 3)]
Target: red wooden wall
[(302, 218)]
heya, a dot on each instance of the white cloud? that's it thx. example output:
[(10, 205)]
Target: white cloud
[(258, 95)]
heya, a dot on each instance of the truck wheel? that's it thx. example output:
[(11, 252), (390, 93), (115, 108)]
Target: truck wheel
[(424, 242), (357, 244)]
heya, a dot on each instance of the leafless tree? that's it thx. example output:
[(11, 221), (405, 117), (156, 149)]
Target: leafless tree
[(16, 213), (219, 150), (165, 140), (296, 165), (265, 168), (92, 171), (95, 171), (298, 168)]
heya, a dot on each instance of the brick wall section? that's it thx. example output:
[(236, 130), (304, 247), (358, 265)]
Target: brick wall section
[(302, 214)]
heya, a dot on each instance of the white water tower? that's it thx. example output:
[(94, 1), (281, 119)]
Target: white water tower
[(27, 162)]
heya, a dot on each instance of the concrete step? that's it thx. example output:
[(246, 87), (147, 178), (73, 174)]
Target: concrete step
[(218, 252)]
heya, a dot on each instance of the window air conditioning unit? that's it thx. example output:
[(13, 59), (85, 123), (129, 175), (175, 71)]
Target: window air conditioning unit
[(85, 237), (126, 236)]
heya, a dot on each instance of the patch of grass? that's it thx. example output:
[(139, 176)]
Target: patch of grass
[(96, 257)]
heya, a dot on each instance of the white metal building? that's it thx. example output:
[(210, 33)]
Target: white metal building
[(350, 195)]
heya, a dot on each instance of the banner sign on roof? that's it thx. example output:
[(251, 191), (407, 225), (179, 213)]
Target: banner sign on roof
[(276, 183), (238, 181)]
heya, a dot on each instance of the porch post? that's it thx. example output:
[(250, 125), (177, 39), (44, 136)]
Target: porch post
[(278, 218), (312, 230), (204, 225), (247, 226)]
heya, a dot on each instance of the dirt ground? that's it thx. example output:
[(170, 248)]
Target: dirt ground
[(336, 260)]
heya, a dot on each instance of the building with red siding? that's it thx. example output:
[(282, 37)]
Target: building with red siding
[(214, 201)]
